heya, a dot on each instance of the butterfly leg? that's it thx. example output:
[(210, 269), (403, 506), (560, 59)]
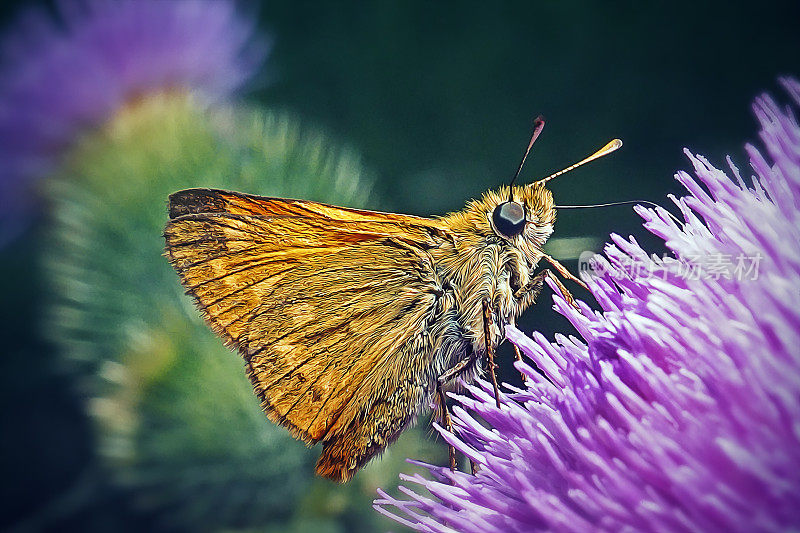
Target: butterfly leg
[(534, 286), (561, 269), (487, 339), (447, 423), (529, 290)]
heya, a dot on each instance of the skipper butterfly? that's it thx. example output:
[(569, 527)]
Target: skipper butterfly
[(353, 322)]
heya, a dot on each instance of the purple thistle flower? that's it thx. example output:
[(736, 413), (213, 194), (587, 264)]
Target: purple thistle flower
[(680, 408), (59, 75)]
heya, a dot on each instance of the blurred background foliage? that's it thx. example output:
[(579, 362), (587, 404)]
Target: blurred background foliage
[(121, 411)]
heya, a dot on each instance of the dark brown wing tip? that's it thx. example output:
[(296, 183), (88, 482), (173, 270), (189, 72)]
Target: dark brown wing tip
[(194, 201)]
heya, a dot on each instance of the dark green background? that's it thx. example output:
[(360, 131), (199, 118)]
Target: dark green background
[(439, 99)]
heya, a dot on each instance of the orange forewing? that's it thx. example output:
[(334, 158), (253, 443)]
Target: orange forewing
[(322, 303)]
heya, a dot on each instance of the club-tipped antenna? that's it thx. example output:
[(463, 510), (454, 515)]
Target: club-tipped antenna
[(605, 150), (538, 125)]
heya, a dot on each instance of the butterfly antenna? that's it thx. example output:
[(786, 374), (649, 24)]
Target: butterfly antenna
[(605, 150), (623, 202), (538, 125)]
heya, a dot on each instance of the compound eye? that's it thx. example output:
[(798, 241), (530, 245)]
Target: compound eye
[(509, 219)]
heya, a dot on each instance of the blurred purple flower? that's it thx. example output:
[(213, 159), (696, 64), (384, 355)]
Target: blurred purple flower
[(61, 74), (680, 410)]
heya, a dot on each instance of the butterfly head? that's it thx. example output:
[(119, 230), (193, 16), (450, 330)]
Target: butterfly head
[(522, 217)]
